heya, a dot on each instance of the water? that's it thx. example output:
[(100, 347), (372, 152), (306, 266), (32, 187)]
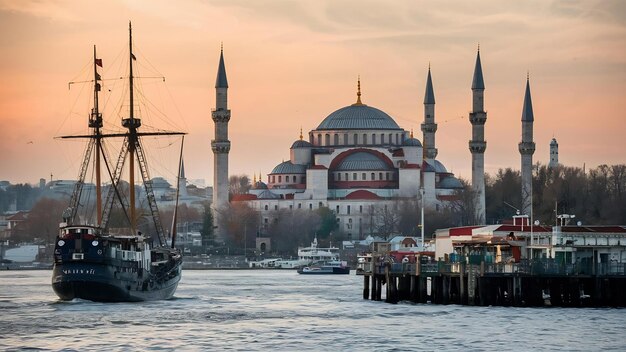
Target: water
[(282, 311)]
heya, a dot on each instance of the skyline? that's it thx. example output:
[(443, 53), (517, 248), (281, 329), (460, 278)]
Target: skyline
[(292, 63)]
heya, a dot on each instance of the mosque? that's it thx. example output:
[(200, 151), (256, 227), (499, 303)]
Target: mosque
[(359, 160)]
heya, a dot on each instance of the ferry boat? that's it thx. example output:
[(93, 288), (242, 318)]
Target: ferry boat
[(95, 262), (321, 260)]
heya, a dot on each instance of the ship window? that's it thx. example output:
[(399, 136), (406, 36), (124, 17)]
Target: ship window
[(299, 205), (337, 209), (275, 207), (311, 206), (290, 206), (320, 205)]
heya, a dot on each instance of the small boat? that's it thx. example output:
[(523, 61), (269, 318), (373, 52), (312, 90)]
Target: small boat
[(96, 262), (321, 260), (334, 267)]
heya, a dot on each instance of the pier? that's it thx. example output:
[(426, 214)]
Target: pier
[(473, 281)]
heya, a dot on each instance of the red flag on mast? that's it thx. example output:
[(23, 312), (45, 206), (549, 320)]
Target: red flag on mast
[(99, 62)]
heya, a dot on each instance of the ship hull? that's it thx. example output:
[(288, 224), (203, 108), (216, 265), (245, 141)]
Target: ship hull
[(105, 283)]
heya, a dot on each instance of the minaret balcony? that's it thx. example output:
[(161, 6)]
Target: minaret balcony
[(527, 148), (220, 115), (220, 146), (429, 127), (477, 146), (478, 118), (431, 153)]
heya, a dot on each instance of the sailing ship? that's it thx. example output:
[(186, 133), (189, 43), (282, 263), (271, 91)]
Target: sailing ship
[(95, 262)]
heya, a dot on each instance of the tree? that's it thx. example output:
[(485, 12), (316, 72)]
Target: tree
[(207, 232), (238, 184), (42, 223), (240, 222)]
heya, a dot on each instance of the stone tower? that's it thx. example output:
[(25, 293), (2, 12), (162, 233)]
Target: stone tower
[(429, 127), (526, 149), (554, 153), (220, 146), (477, 145)]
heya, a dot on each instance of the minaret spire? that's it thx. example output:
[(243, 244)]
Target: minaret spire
[(358, 92), (429, 127), (477, 144), (220, 146), (527, 149)]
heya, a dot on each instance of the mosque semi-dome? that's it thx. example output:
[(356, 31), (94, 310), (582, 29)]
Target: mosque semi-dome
[(358, 117), (301, 144), (287, 167), (362, 161), (412, 142)]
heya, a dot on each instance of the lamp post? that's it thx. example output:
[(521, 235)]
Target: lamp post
[(422, 215)]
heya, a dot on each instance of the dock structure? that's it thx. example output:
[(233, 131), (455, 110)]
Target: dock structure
[(473, 281)]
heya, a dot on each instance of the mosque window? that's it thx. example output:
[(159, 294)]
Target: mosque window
[(373, 176), (380, 176), (397, 139), (280, 179), (347, 178), (339, 176), (336, 139), (360, 209), (387, 176), (403, 137), (354, 176), (390, 138), (319, 139), (373, 139), (364, 139), (363, 176), (273, 179), (348, 211), (326, 139), (265, 206), (356, 139), (303, 178), (382, 138)]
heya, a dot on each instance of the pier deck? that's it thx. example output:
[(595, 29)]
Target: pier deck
[(540, 282)]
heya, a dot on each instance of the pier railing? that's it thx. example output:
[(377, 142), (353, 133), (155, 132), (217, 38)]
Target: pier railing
[(534, 267)]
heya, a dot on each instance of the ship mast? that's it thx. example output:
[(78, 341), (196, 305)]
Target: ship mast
[(96, 123), (131, 124)]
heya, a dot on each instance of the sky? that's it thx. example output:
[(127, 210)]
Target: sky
[(292, 63)]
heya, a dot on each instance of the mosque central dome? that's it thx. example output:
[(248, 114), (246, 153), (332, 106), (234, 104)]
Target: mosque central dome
[(358, 117)]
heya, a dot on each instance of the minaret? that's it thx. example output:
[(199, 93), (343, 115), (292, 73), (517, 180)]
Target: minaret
[(554, 154), (526, 149), (429, 127), (220, 146), (182, 181), (477, 145)]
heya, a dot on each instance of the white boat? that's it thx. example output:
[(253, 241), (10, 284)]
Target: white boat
[(315, 260)]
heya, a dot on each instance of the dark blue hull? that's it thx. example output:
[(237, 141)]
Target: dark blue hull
[(106, 283), (324, 271)]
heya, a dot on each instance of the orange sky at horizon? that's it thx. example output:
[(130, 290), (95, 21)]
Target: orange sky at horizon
[(292, 63)]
